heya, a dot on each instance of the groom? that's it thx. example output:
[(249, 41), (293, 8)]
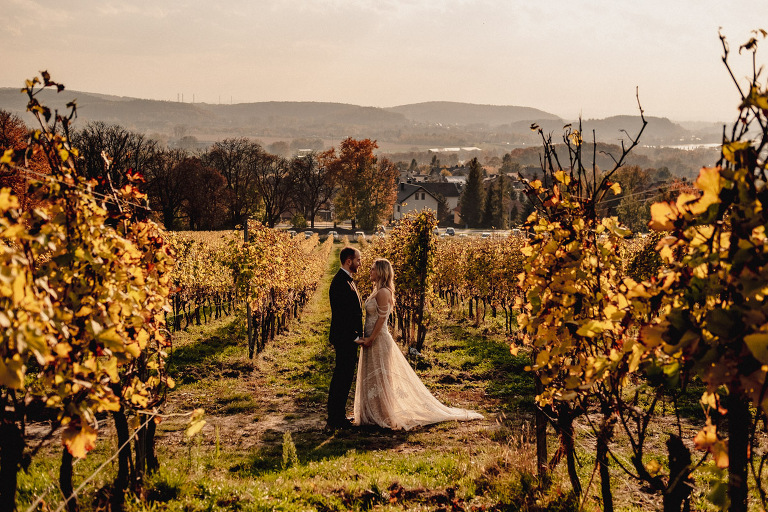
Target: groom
[(346, 327)]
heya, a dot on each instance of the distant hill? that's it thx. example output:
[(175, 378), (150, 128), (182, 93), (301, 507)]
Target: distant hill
[(427, 124), (244, 119), (453, 113), (660, 130)]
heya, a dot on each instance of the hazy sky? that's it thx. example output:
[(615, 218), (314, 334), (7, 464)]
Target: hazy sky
[(566, 57)]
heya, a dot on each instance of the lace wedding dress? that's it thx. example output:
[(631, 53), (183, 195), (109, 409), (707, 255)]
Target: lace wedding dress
[(388, 392)]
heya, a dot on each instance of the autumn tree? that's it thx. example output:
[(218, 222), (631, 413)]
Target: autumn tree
[(366, 186), (13, 131), (313, 183), (381, 195), (13, 135), (471, 201)]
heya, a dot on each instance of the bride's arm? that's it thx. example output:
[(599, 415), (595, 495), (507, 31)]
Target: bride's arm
[(382, 305)]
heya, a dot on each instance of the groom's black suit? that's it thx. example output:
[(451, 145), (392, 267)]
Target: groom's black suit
[(346, 325)]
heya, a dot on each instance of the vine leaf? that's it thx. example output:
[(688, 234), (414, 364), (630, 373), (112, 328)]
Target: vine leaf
[(79, 441)]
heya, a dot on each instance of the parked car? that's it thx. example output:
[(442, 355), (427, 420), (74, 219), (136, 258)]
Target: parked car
[(291, 233), (359, 235), (450, 231), (333, 235), (308, 233), (485, 234)]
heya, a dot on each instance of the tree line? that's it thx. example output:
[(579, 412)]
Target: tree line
[(231, 181)]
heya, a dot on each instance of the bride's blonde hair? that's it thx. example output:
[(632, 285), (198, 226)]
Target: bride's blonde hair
[(385, 276)]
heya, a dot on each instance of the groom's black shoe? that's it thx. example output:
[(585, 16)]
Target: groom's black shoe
[(343, 424)]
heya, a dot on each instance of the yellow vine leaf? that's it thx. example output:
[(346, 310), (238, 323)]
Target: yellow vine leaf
[(653, 467), (79, 441), (720, 454), (111, 339), (8, 200), (110, 367), (662, 217), (196, 423), (19, 288), (592, 328), (709, 399), (709, 181), (730, 149), (562, 177), (706, 437), (758, 345), (756, 98), (651, 335), (12, 372)]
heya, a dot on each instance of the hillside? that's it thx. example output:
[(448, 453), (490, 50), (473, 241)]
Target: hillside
[(449, 112), (430, 124)]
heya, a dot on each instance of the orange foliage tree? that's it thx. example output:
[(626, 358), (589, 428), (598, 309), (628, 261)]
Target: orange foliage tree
[(366, 183), (14, 134)]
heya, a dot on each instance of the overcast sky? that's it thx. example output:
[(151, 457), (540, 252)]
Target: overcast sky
[(565, 57)]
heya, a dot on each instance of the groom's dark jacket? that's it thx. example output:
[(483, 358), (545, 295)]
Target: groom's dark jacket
[(346, 311)]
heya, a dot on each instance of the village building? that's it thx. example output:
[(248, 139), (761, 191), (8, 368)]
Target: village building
[(441, 197)]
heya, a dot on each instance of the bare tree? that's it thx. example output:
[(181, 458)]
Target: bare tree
[(233, 158), (206, 196), (313, 184), (273, 182), (166, 184), (125, 150)]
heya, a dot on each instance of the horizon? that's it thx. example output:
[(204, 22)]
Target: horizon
[(67, 89), (568, 60)]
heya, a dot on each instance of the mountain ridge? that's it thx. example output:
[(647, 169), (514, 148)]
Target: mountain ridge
[(432, 122)]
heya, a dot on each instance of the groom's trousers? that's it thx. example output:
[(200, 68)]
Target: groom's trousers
[(341, 382)]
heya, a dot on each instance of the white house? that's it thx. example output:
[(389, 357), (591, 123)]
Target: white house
[(450, 192), (413, 198)]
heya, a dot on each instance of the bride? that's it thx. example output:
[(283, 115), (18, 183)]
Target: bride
[(388, 392)]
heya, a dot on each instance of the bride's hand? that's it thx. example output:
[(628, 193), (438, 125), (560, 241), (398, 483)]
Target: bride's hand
[(360, 341)]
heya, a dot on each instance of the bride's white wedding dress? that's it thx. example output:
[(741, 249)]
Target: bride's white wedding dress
[(388, 392)]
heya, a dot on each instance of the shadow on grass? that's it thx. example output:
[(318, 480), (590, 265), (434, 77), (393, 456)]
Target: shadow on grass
[(202, 359), (489, 360), (316, 446)]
